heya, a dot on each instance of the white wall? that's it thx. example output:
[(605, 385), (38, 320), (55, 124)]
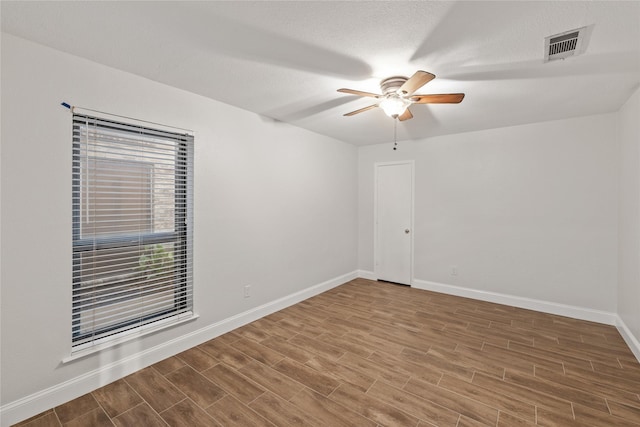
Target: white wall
[(275, 207), (629, 214), (527, 211)]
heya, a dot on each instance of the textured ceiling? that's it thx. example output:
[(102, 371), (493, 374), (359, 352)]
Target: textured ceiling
[(285, 60)]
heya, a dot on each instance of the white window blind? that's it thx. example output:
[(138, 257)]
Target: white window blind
[(132, 216)]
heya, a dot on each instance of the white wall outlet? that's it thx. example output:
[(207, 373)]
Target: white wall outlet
[(454, 270), (247, 291)]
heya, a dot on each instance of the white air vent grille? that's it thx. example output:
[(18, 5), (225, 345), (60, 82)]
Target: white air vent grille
[(563, 45)]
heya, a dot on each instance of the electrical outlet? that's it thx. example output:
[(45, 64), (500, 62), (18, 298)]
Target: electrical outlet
[(454, 270), (247, 291)]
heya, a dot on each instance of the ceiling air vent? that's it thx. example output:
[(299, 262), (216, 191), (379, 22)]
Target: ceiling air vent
[(563, 45)]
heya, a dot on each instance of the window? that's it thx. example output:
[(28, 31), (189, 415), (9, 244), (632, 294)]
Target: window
[(132, 210)]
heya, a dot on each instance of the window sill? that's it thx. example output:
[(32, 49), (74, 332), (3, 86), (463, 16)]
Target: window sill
[(130, 335)]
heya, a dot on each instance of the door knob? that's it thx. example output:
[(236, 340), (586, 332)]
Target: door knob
[(406, 231)]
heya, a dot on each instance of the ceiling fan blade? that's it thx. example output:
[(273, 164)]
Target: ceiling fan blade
[(361, 110), (442, 98), (359, 93), (419, 79), (405, 116)]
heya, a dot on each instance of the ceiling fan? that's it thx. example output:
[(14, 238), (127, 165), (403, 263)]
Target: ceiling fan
[(398, 95)]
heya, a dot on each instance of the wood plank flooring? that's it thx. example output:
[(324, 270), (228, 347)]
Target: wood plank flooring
[(376, 354)]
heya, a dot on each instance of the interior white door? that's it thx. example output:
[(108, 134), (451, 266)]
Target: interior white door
[(394, 222)]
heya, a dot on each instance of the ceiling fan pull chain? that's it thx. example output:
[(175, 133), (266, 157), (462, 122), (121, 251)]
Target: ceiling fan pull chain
[(395, 137)]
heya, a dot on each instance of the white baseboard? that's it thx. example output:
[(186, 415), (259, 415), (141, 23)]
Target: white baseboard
[(365, 274), (40, 401), (631, 340), (528, 303)]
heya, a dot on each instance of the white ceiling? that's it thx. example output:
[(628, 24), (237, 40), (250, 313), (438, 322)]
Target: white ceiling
[(285, 60)]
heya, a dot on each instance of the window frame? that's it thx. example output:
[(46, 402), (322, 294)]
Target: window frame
[(181, 237)]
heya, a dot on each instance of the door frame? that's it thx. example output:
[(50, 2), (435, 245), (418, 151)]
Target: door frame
[(376, 250)]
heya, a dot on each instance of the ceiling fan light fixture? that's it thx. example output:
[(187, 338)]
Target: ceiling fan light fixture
[(394, 105)]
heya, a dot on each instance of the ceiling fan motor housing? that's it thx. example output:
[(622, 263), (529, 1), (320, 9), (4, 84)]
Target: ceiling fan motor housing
[(392, 84)]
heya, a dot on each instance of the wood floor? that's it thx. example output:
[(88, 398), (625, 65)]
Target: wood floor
[(376, 354)]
